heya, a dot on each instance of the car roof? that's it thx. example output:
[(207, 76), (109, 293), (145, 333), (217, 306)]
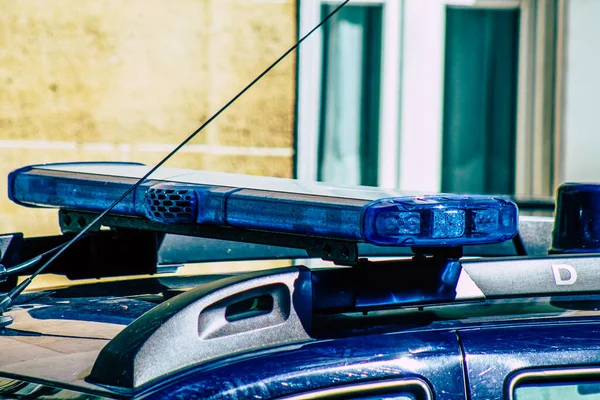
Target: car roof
[(58, 334)]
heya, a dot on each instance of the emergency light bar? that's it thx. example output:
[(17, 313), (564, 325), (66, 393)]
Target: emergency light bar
[(577, 219), (174, 196)]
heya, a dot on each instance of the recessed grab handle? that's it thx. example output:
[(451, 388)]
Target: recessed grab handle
[(257, 308), (241, 313), (248, 308)]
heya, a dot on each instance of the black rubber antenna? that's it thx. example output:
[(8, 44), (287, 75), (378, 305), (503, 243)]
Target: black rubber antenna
[(8, 298)]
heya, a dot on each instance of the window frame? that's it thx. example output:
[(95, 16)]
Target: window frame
[(562, 80), (536, 163), (559, 375), (414, 386), (310, 77), (559, 91)]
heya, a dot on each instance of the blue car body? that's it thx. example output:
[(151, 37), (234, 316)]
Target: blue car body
[(442, 359), (426, 323)]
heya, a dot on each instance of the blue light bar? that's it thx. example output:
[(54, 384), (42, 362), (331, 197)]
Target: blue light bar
[(577, 219), (372, 215)]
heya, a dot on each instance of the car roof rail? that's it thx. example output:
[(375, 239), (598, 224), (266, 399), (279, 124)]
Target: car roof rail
[(266, 309), (232, 315)]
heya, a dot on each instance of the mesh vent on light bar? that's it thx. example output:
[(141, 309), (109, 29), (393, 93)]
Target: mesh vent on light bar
[(171, 204)]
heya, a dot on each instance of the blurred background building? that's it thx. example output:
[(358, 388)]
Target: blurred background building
[(486, 96)]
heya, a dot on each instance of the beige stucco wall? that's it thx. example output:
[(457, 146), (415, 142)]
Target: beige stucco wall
[(127, 80)]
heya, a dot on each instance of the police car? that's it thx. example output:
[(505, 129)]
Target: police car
[(421, 297), (418, 297)]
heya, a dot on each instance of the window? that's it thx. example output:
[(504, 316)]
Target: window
[(480, 98), (578, 84), (348, 93), (558, 391), (349, 131), (406, 389), (405, 396), (451, 97), (556, 384)]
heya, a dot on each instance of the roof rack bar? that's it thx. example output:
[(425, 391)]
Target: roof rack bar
[(275, 307), (184, 243), (178, 249), (421, 282), (108, 253), (548, 276)]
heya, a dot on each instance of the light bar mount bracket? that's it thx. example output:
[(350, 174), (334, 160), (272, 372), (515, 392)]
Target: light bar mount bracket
[(339, 251)]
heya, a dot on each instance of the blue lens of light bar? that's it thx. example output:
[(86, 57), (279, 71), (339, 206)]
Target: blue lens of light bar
[(577, 219), (449, 220), (31, 187), (265, 210), (447, 223), (488, 220), (442, 220), (296, 213), (405, 223)]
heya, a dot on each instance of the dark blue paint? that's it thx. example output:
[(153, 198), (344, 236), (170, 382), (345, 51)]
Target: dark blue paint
[(112, 310), (493, 355), (495, 350), (432, 356)]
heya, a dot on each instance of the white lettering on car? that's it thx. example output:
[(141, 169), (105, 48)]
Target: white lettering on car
[(562, 280)]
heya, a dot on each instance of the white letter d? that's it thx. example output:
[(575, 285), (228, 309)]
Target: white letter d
[(558, 279)]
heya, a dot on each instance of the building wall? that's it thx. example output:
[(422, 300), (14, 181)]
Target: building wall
[(581, 85), (127, 81)]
